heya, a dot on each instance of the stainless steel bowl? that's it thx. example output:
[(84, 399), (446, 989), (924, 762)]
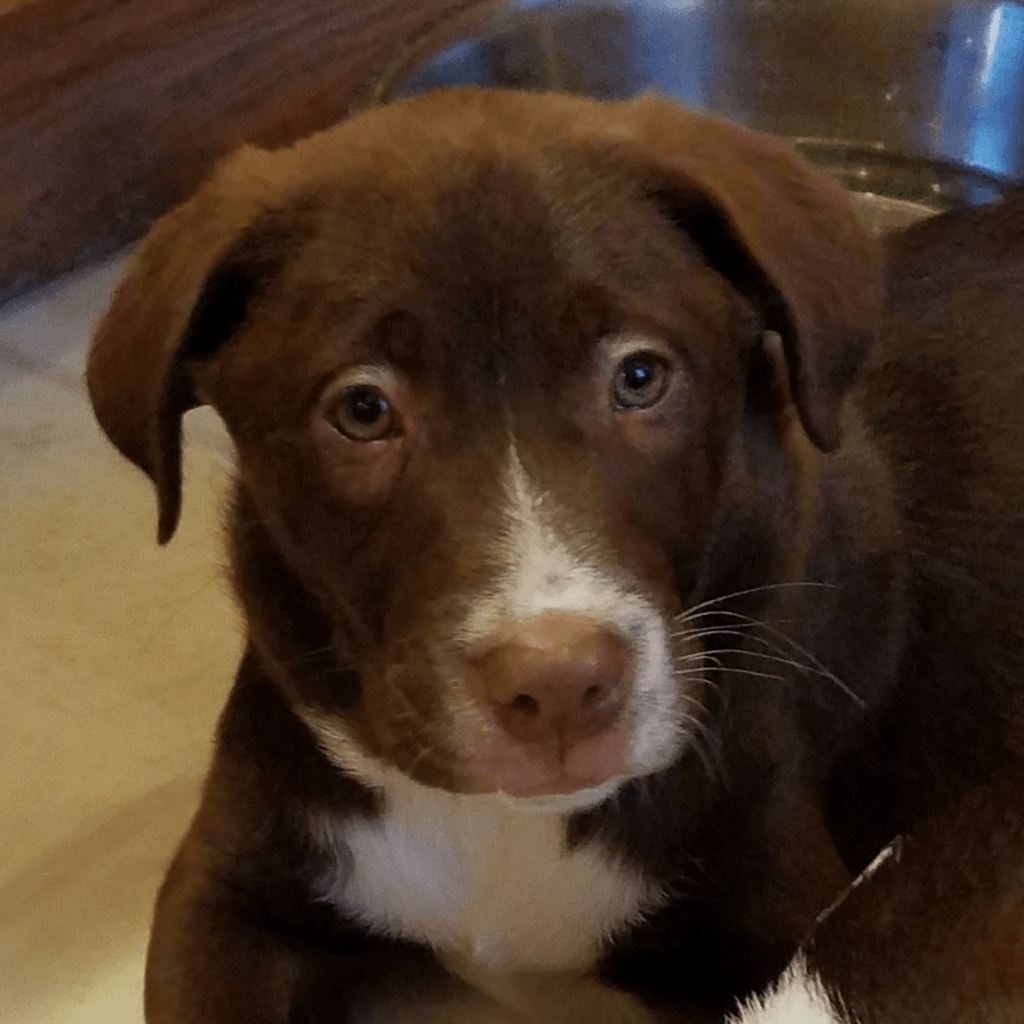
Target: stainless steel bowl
[(916, 105)]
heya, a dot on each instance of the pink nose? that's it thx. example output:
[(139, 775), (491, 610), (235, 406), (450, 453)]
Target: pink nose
[(555, 680)]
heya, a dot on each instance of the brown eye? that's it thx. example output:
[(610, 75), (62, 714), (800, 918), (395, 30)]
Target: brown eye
[(363, 413), (640, 381)]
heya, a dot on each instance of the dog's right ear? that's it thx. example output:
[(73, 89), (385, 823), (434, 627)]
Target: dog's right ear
[(186, 293)]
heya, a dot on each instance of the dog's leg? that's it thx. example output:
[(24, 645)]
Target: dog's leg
[(203, 967), (213, 960), (240, 936), (220, 956), (224, 971)]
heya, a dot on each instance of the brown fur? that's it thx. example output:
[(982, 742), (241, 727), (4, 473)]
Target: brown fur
[(480, 245)]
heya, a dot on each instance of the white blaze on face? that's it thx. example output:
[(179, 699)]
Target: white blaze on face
[(550, 568)]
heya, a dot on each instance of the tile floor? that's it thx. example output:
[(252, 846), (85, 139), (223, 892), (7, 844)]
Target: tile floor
[(116, 656)]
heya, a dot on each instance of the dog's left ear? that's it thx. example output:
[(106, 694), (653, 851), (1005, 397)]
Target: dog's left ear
[(783, 234)]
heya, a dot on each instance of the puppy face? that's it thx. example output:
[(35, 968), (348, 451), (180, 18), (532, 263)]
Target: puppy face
[(493, 419), (489, 378)]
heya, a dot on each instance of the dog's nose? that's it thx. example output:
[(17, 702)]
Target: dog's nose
[(555, 680)]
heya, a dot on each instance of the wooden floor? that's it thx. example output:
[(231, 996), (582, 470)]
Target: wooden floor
[(111, 111), (117, 656)]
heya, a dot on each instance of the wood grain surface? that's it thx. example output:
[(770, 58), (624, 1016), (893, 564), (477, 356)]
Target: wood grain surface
[(113, 110)]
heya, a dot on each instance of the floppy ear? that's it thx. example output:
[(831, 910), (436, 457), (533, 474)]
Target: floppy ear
[(185, 294), (784, 234)]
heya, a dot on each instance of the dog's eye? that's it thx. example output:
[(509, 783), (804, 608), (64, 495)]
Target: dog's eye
[(640, 381), (363, 413)]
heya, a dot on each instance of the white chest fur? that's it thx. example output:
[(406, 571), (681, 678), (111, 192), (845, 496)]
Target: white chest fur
[(475, 877)]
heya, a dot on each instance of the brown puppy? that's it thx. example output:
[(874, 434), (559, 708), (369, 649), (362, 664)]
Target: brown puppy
[(601, 627)]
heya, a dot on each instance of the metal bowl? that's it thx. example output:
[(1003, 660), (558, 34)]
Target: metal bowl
[(915, 105)]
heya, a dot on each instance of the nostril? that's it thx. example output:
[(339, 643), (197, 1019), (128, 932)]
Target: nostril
[(592, 700), (555, 680), (525, 705)]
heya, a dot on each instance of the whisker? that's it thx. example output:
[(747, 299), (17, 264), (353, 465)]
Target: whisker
[(823, 669), (757, 590), (753, 672), (728, 612), (730, 631), (704, 745), (686, 617), (704, 755), (813, 663), (782, 660), (684, 672), (700, 655), (410, 770), (693, 700)]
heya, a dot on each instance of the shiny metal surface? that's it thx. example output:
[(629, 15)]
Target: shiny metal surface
[(914, 104)]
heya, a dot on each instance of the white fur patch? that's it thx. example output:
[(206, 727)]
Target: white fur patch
[(546, 572), (797, 998), (475, 877), (488, 877)]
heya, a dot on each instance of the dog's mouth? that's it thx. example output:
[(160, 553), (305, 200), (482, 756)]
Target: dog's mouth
[(558, 709), (501, 763)]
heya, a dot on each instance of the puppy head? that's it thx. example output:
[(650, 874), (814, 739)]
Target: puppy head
[(486, 360)]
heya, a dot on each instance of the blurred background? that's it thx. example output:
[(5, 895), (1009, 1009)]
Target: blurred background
[(117, 655)]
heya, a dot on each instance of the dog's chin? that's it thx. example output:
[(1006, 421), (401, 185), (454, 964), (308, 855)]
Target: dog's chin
[(583, 799)]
